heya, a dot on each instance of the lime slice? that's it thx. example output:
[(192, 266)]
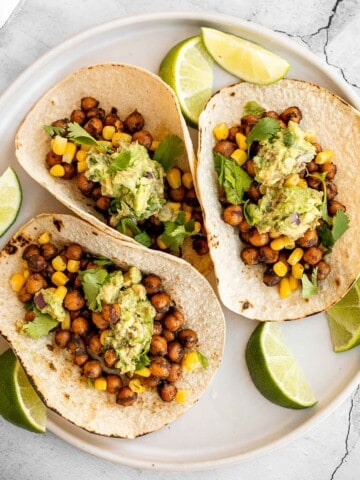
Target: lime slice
[(188, 69), (344, 321), (10, 199), (19, 403), (275, 371), (244, 59)]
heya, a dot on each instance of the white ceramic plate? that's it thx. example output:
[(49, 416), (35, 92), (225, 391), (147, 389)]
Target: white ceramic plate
[(232, 422)]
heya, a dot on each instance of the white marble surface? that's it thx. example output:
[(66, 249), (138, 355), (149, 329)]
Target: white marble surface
[(331, 29)]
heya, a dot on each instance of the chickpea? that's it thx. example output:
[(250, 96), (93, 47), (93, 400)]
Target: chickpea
[(134, 122), (249, 167), (159, 367), (76, 344), (200, 245), (253, 193), (92, 369), (271, 114), (309, 239), (94, 126), (258, 239), (188, 338), (175, 352), (110, 357), (74, 300), (52, 159), (111, 313), (85, 186), (151, 381), (96, 113), (34, 283), (312, 255), (78, 116), (74, 252), (233, 215), (312, 167), (225, 147), (76, 281), (94, 344), (191, 198), (113, 383), (174, 320), (24, 296), (292, 113), (99, 321), (96, 193), (314, 182), (158, 345), (29, 316), (30, 250), (113, 120), (80, 325), (157, 328), (175, 373), (103, 202), (250, 256), (62, 338), (244, 226), (48, 250), (330, 169), (323, 270), (317, 146), (70, 171), (331, 190), (177, 194), (268, 255), (168, 335), (334, 206), (144, 138), (232, 133), (80, 358), (161, 302), (167, 391), (36, 263), (245, 235), (126, 396), (152, 284), (62, 123), (87, 103), (247, 122), (270, 278)]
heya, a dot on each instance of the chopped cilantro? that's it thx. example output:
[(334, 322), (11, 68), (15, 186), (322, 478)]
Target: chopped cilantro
[(176, 231), (264, 129), (142, 361), (168, 152), (309, 287), (79, 135), (324, 210), (340, 224), (204, 361), (92, 280), (253, 108), (52, 131), (139, 235), (120, 162), (40, 326), (288, 137), (232, 178), (101, 261)]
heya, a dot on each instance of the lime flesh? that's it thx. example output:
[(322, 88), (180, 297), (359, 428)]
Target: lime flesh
[(19, 403), (10, 199), (243, 59), (275, 371), (188, 69)]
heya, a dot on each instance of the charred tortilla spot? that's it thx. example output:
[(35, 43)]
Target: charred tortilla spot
[(337, 281), (95, 233), (232, 94), (10, 249), (58, 225), (50, 347), (246, 305), (67, 396), (52, 367)]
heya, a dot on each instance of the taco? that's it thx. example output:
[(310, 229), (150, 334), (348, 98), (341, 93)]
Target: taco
[(116, 339), (109, 142), (278, 182)]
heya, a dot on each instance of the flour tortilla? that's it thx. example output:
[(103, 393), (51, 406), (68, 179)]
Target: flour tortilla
[(337, 127), (51, 369), (125, 87)]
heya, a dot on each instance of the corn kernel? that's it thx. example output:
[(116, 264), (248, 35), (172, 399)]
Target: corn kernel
[(294, 282), (187, 180), (26, 273), (161, 244), (85, 148), (59, 145), (274, 234), (280, 268), (108, 132), (240, 156), (176, 206), (61, 292), (136, 385), (120, 137), (100, 383), (70, 152), (324, 157), (240, 140), (58, 263), (292, 180), (66, 323), (17, 281), (277, 243), (173, 177), (24, 264), (302, 183), (295, 256), (154, 145), (57, 170), (103, 145), (197, 227), (82, 166), (289, 243), (297, 270), (181, 395), (103, 336), (221, 131), (191, 361), (143, 372), (310, 135), (187, 217), (186, 208), (81, 155), (73, 266), (284, 288), (44, 238), (59, 279)]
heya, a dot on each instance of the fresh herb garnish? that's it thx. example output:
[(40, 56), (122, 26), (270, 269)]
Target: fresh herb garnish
[(142, 361), (232, 178), (328, 236), (40, 326), (52, 130), (264, 129), (309, 287), (204, 361), (92, 280), (176, 231), (253, 108), (288, 137), (29, 305), (79, 135), (120, 161), (139, 235), (103, 261), (168, 152), (324, 210)]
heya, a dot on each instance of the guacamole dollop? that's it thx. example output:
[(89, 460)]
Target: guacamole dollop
[(54, 304)]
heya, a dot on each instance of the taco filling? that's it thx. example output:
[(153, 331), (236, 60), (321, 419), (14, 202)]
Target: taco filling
[(278, 187)]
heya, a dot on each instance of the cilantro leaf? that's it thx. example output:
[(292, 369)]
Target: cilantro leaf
[(176, 231), (324, 210), (168, 152), (253, 108), (79, 135), (309, 287), (288, 137), (325, 235), (264, 129), (52, 130), (101, 260), (329, 236), (204, 361), (142, 361), (120, 162), (40, 326), (92, 280), (232, 178), (139, 235), (144, 239)]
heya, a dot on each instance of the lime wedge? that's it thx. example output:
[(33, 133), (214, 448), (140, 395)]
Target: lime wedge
[(188, 69), (244, 59), (344, 321), (275, 371), (10, 199), (19, 403)]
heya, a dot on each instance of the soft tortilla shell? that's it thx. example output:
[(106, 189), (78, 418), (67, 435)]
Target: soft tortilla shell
[(50, 368), (337, 127), (125, 87)]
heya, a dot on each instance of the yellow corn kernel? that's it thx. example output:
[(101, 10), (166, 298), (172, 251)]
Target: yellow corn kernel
[(61, 292), (161, 244), (120, 137), (284, 288), (277, 243), (105, 144), (294, 282), (186, 208), (58, 263), (324, 157), (302, 183), (173, 177), (66, 323), (181, 395), (240, 139), (59, 279), (100, 383), (310, 135), (280, 268), (197, 227), (187, 180), (24, 264), (82, 166), (73, 266), (103, 336), (81, 155), (240, 156), (85, 148), (143, 372), (221, 131), (297, 270), (59, 145), (26, 273), (70, 152), (274, 234), (295, 256), (44, 238), (191, 361), (154, 145), (136, 385), (292, 180), (17, 281), (187, 217), (289, 243), (108, 132), (57, 170), (176, 206)]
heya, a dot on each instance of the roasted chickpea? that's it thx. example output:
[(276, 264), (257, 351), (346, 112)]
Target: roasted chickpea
[(94, 126), (151, 381), (80, 358), (99, 321), (200, 245), (250, 256), (111, 312), (152, 284), (48, 250), (233, 215), (168, 335), (34, 283), (113, 120), (110, 357), (76, 344), (87, 103), (187, 337), (254, 192), (312, 167), (126, 396), (244, 226), (167, 391), (74, 252), (175, 352), (62, 338), (249, 167), (158, 346), (29, 316), (94, 344), (191, 198), (80, 325), (24, 296), (92, 369), (232, 133), (52, 159), (85, 186), (177, 194), (62, 123), (134, 122), (144, 138), (314, 182), (175, 373), (174, 320), (157, 329), (113, 383), (317, 146), (258, 239), (159, 367), (331, 190), (70, 171), (334, 206), (247, 122), (309, 239), (36, 263), (292, 113), (31, 250), (225, 147), (330, 169), (323, 270), (96, 113), (271, 114), (270, 278), (312, 255), (78, 116), (161, 302), (74, 300), (268, 255)]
